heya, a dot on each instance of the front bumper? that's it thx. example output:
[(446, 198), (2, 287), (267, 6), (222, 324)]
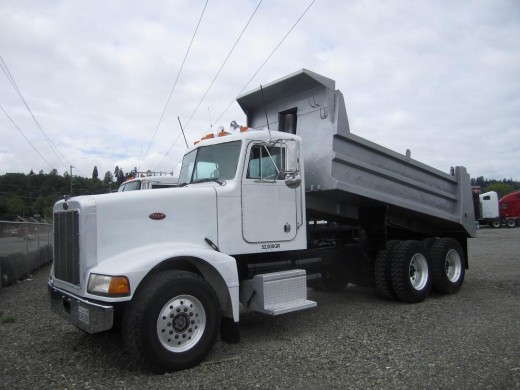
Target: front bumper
[(88, 316)]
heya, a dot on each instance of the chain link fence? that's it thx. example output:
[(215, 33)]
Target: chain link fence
[(24, 248)]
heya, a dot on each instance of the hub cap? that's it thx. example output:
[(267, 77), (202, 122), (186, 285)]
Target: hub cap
[(418, 271), (181, 323), (453, 265)]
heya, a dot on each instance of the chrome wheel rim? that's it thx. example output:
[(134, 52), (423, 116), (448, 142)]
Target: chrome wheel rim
[(181, 323), (453, 265), (418, 271)]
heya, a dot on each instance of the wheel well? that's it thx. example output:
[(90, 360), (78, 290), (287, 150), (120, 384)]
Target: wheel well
[(203, 269)]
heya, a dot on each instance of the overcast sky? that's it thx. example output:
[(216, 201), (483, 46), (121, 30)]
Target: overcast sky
[(441, 78)]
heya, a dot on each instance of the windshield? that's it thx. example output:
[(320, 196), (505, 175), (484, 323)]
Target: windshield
[(130, 186), (207, 163)]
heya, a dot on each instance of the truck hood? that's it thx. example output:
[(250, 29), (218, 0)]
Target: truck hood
[(119, 222)]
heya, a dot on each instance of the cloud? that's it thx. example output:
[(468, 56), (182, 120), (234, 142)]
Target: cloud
[(439, 78)]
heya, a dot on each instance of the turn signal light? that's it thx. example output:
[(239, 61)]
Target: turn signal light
[(108, 285)]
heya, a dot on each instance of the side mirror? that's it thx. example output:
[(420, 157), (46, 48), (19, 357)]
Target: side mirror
[(293, 180), (292, 165), (293, 157)]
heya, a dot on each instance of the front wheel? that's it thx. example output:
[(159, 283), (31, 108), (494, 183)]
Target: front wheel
[(411, 279), (172, 322), (511, 223), (448, 266)]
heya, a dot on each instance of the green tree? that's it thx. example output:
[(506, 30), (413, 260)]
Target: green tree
[(15, 206), (95, 173), (500, 188), (109, 178)]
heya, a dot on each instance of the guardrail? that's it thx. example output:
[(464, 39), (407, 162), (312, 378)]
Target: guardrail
[(24, 248)]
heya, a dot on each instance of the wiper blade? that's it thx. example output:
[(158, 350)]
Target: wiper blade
[(209, 179)]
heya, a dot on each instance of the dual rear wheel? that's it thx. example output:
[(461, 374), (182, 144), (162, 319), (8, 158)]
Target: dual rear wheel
[(408, 270)]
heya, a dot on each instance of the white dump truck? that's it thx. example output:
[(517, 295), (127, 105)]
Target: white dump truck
[(293, 200)]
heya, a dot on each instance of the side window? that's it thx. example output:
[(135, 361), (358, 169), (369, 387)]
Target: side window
[(487, 197), (266, 163)]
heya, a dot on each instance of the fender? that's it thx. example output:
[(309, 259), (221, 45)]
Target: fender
[(219, 269)]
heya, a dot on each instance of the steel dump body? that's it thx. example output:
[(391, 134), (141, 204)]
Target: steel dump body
[(346, 175)]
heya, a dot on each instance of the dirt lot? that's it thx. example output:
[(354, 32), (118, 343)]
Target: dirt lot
[(353, 339)]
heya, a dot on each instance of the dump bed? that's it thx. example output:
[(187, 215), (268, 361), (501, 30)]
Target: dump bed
[(347, 176)]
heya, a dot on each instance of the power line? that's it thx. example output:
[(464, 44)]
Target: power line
[(7, 73), (222, 66), (174, 85), (267, 59), (213, 81), (17, 128)]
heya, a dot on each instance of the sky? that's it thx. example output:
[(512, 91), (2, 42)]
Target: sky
[(104, 83)]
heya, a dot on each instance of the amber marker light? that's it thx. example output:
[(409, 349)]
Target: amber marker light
[(119, 286)]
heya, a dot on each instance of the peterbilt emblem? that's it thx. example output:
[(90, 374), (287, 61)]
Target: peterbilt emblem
[(157, 216)]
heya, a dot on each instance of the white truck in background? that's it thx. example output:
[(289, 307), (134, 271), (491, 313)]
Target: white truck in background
[(489, 211), (257, 215), (496, 212), (151, 182)]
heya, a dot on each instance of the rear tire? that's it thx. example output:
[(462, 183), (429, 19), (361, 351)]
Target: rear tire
[(411, 279), (495, 223), (172, 321), (382, 271), (448, 266)]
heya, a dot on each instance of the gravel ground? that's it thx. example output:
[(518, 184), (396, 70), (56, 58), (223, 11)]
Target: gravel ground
[(353, 339)]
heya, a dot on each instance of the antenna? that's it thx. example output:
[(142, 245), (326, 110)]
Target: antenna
[(180, 124), (210, 124), (265, 108)]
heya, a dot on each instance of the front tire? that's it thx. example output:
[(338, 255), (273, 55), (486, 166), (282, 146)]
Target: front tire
[(411, 278), (448, 266), (511, 223), (172, 322)]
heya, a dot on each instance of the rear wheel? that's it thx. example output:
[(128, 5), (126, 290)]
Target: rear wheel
[(411, 279), (495, 223), (448, 266), (382, 271), (172, 322)]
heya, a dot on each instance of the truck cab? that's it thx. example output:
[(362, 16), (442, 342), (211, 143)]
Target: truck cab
[(149, 182)]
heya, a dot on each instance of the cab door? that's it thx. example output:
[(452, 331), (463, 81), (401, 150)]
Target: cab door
[(269, 206)]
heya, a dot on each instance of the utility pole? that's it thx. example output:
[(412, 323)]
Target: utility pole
[(71, 180)]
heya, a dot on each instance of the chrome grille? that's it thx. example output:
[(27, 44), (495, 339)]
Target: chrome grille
[(66, 246)]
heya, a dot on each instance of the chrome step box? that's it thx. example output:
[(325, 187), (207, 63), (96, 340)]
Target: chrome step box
[(276, 293)]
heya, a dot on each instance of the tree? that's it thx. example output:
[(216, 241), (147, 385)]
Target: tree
[(119, 175), (95, 173), (500, 188), (109, 178), (15, 206)]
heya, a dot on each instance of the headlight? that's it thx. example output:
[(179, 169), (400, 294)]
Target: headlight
[(105, 285)]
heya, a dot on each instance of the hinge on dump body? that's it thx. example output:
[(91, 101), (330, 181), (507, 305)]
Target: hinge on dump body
[(276, 293)]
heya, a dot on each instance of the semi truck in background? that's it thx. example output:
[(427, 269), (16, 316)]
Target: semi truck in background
[(488, 210), (145, 182), (496, 212), (261, 212), (509, 206)]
